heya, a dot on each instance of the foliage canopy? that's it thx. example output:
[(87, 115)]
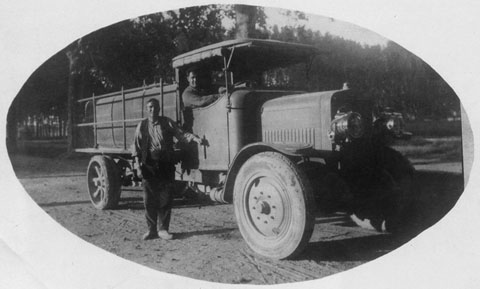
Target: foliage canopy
[(137, 51)]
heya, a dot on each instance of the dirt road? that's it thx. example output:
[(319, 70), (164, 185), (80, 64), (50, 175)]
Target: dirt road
[(207, 244)]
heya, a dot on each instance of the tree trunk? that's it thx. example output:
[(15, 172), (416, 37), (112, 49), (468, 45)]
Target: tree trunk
[(245, 21), (75, 69)]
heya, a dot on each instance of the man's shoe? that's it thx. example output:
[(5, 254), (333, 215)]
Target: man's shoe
[(165, 235), (150, 235)]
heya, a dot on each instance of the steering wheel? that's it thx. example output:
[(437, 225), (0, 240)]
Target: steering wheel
[(243, 83)]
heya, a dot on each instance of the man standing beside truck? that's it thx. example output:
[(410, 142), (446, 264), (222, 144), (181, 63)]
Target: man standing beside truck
[(154, 154)]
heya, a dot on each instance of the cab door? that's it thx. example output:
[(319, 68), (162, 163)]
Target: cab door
[(211, 124)]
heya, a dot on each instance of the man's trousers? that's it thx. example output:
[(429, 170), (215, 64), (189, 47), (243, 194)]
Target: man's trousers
[(158, 197)]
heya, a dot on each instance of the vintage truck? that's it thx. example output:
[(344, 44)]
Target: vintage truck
[(278, 153)]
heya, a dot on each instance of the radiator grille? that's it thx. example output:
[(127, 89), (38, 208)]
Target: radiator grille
[(294, 135)]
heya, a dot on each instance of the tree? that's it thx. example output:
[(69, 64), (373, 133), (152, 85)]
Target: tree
[(250, 22), (137, 51), (76, 70), (245, 20)]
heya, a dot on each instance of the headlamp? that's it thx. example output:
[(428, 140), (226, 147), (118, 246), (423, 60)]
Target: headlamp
[(346, 126)]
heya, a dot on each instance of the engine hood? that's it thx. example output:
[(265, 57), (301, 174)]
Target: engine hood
[(244, 98), (304, 118)]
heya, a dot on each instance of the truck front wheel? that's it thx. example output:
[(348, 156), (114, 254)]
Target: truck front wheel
[(274, 205), (104, 182)]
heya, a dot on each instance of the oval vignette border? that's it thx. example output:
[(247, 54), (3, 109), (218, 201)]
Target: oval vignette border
[(465, 94)]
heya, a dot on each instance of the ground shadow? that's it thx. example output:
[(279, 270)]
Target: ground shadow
[(205, 232), (59, 204), (136, 203), (328, 219), (353, 249), (436, 194), (53, 176)]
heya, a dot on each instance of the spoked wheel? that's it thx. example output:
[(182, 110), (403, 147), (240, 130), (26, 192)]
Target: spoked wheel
[(274, 206), (104, 182)]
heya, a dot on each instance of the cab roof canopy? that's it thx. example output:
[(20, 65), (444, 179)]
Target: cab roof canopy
[(247, 52)]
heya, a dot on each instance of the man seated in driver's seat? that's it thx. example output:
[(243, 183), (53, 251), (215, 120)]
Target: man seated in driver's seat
[(197, 94)]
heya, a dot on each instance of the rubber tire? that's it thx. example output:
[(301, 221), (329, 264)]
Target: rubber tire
[(108, 187), (394, 185), (401, 174), (297, 205), (405, 198)]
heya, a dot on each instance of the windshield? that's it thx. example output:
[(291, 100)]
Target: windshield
[(292, 77)]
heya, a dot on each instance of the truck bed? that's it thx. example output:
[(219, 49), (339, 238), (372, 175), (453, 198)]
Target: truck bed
[(107, 122)]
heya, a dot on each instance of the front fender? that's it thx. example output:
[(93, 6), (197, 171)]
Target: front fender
[(294, 150)]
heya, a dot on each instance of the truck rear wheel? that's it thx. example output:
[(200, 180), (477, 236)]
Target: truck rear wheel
[(104, 182), (274, 205)]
